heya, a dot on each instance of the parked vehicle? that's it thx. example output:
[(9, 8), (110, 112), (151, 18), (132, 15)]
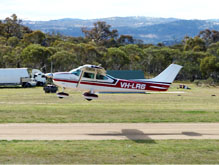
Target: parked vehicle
[(21, 76), (50, 89), (39, 77)]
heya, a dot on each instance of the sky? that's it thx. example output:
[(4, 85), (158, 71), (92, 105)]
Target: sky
[(90, 9)]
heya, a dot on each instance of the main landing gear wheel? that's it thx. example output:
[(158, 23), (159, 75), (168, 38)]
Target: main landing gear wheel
[(90, 96), (62, 95)]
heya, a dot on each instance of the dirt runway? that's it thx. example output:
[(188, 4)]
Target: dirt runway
[(109, 131)]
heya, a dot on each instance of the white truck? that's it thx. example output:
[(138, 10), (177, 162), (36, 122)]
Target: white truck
[(21, 76)]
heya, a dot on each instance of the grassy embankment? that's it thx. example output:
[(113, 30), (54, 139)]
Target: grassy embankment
[(32, 105)]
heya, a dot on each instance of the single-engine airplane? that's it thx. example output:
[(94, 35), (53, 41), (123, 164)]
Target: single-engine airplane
[(93, 79)]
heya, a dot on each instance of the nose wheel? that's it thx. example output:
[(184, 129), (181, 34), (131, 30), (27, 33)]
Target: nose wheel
[(62, 94)]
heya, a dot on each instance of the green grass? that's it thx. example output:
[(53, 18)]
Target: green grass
[(123, 151), (32, 105)]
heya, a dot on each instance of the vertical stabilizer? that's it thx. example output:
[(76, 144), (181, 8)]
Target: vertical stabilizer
[(168, 75)]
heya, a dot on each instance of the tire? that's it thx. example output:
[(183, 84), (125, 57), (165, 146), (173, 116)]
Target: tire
[(24, 85), (46, 89), (28, 85), (40, 83)]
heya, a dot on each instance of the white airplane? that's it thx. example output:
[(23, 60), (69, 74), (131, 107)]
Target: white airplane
[(94, 79)]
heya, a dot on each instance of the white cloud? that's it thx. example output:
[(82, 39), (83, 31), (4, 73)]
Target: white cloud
[(86, 9)]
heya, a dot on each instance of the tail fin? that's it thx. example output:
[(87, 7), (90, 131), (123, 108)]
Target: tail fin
[(168, 75)]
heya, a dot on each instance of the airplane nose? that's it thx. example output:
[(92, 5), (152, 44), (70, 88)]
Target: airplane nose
[(49, 75)]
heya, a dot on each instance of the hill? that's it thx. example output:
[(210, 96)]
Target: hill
[(150, 30)]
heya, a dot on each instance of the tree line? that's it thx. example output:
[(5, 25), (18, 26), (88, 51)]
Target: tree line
[(23, 47)]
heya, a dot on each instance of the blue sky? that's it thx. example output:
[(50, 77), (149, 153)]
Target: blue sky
[(88, 9)]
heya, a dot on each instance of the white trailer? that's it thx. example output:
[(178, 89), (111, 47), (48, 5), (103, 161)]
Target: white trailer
[(20, 76)]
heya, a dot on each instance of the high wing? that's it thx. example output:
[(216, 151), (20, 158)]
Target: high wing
[(93, 68)]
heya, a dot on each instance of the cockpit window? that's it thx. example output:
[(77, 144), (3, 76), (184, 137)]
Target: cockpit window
[(101, 77), (88, 75), (76, 72)]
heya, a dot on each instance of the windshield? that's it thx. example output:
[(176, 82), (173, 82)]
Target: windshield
[(110, 76), (76, 72)]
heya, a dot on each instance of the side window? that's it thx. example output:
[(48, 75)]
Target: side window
[(77, 72), (88, 75), (101, 77)]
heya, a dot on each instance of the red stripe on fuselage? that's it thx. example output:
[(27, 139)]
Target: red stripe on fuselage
[(142, 85), (125, 84)]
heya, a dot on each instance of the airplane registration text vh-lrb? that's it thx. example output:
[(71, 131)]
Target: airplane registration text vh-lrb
[(93, 79)]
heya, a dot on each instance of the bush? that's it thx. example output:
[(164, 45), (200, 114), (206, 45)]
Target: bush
[(208, 82)]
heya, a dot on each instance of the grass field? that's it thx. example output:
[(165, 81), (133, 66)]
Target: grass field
[(32, 105), (124, 151)]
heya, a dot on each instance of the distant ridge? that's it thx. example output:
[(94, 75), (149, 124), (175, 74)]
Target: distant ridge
[(148, 29)]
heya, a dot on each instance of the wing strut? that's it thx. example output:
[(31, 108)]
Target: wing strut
[(79, 81)]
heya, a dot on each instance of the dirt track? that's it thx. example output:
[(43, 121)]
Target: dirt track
[(110, 131)]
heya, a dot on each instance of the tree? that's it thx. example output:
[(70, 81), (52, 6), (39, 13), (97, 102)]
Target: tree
[(16, 53), (1, 28), (101, 33), (195, 44), (63, 60), (13, 58), (36, 37), (213, 49), (156, 59), (4, 52), (190, 61), (134, 54), (210, 66), (209, 36), (3, 41), (116, 58), (36, 56), (13, 41), (12, 27), (125, 40), (77, 40)]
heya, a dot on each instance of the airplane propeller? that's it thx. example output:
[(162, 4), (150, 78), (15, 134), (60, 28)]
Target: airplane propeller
[(49, 75)]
